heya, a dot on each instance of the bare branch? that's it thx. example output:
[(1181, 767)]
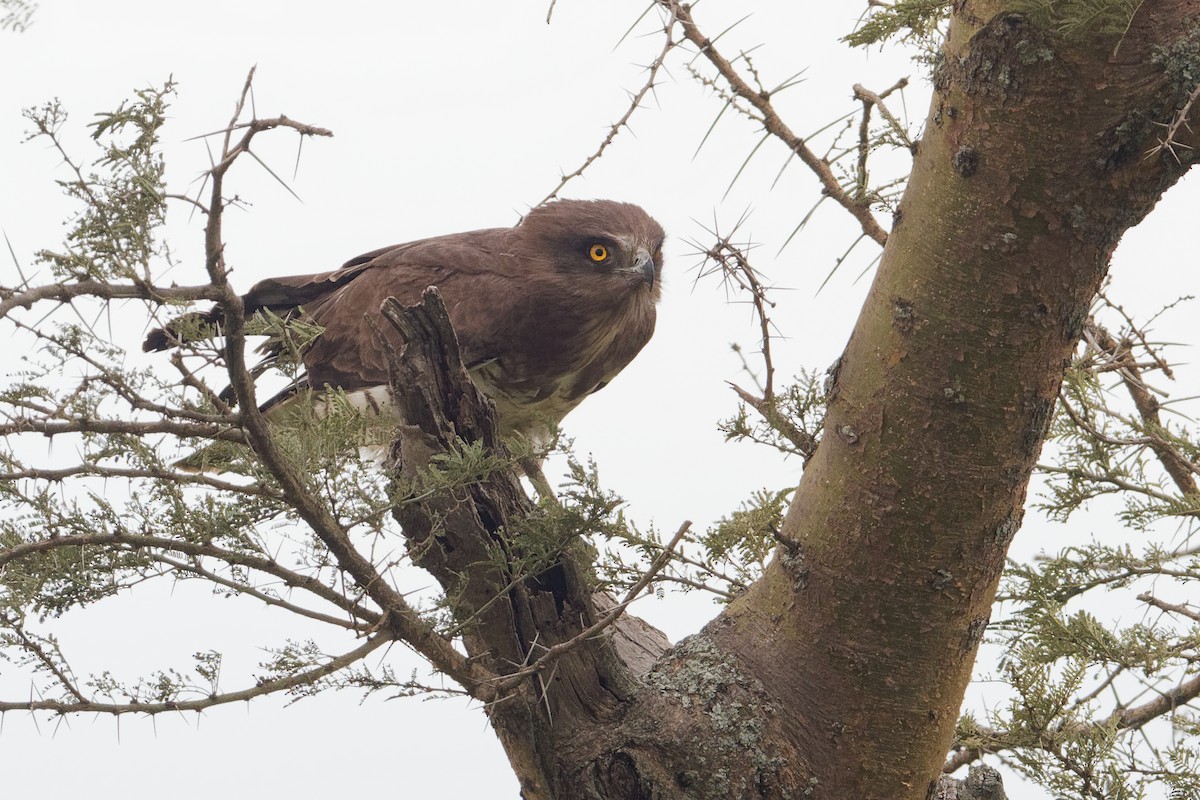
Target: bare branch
[(66, 292), (262, 564), (774, 124), (1183, 610), (199, 571), (634, 103), (556, 651)]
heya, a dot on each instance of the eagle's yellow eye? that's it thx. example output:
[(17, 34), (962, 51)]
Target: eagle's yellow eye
[(598, 253)]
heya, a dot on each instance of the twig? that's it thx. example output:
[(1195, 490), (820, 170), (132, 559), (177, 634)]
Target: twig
[(623, 122), (45, 658), (1181, 470), (259, 690), (1183, 610), (1167, 141), (869, 97), (774, 124), (250, 591), (558, 650)]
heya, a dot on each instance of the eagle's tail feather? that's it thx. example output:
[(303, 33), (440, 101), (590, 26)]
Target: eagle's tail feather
[(190, 327)]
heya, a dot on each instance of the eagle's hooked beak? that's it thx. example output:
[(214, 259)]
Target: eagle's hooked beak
[(644, 263)]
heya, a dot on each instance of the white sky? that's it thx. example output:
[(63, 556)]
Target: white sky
[(448, 117)]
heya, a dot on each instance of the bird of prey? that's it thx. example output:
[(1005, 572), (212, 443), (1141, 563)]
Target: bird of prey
[(546, 312)]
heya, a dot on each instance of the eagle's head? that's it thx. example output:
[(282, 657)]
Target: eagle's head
[(618, 243)]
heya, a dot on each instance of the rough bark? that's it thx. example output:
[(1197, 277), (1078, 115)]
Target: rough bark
[(465, 537), (1033, 164), (841, 672)]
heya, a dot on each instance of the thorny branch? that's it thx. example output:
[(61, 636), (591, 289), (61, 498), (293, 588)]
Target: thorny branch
[(51, 662), (65, 292), (634, 103), (1183, 610), (730, 261), (554, 652), (760, 100), (403, 620), (44, 413), (259, 690)]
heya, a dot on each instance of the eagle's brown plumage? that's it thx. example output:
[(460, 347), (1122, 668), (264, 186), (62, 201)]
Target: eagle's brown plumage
[(546, 312)]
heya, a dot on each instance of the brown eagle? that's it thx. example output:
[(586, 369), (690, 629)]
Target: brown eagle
[(546, 312)]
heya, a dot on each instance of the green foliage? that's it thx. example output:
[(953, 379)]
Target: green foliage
[(723, 560), (163, 686), (1076, 676), (585, 512), (910, 20), (745, 539), (287, 338), (1077, 18), (124, 201), (789, 422), (1103, 450), (921, 21)]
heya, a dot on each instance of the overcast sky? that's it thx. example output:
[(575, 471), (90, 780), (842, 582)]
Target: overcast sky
[(449, 117)]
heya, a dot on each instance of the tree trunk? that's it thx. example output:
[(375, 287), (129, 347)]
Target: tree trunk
[(841, 672)]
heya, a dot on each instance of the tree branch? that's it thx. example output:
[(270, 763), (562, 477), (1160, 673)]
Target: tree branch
[(402, 619), (761, 101), (260, 563), (634, 103), (260, 690)]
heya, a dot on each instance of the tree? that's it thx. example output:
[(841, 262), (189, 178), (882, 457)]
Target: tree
[(837, 669)]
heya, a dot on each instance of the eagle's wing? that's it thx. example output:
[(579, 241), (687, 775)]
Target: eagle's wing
[(479, 282)]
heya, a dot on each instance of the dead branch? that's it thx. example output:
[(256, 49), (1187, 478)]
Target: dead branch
[(1181, 470), (562, 648)]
